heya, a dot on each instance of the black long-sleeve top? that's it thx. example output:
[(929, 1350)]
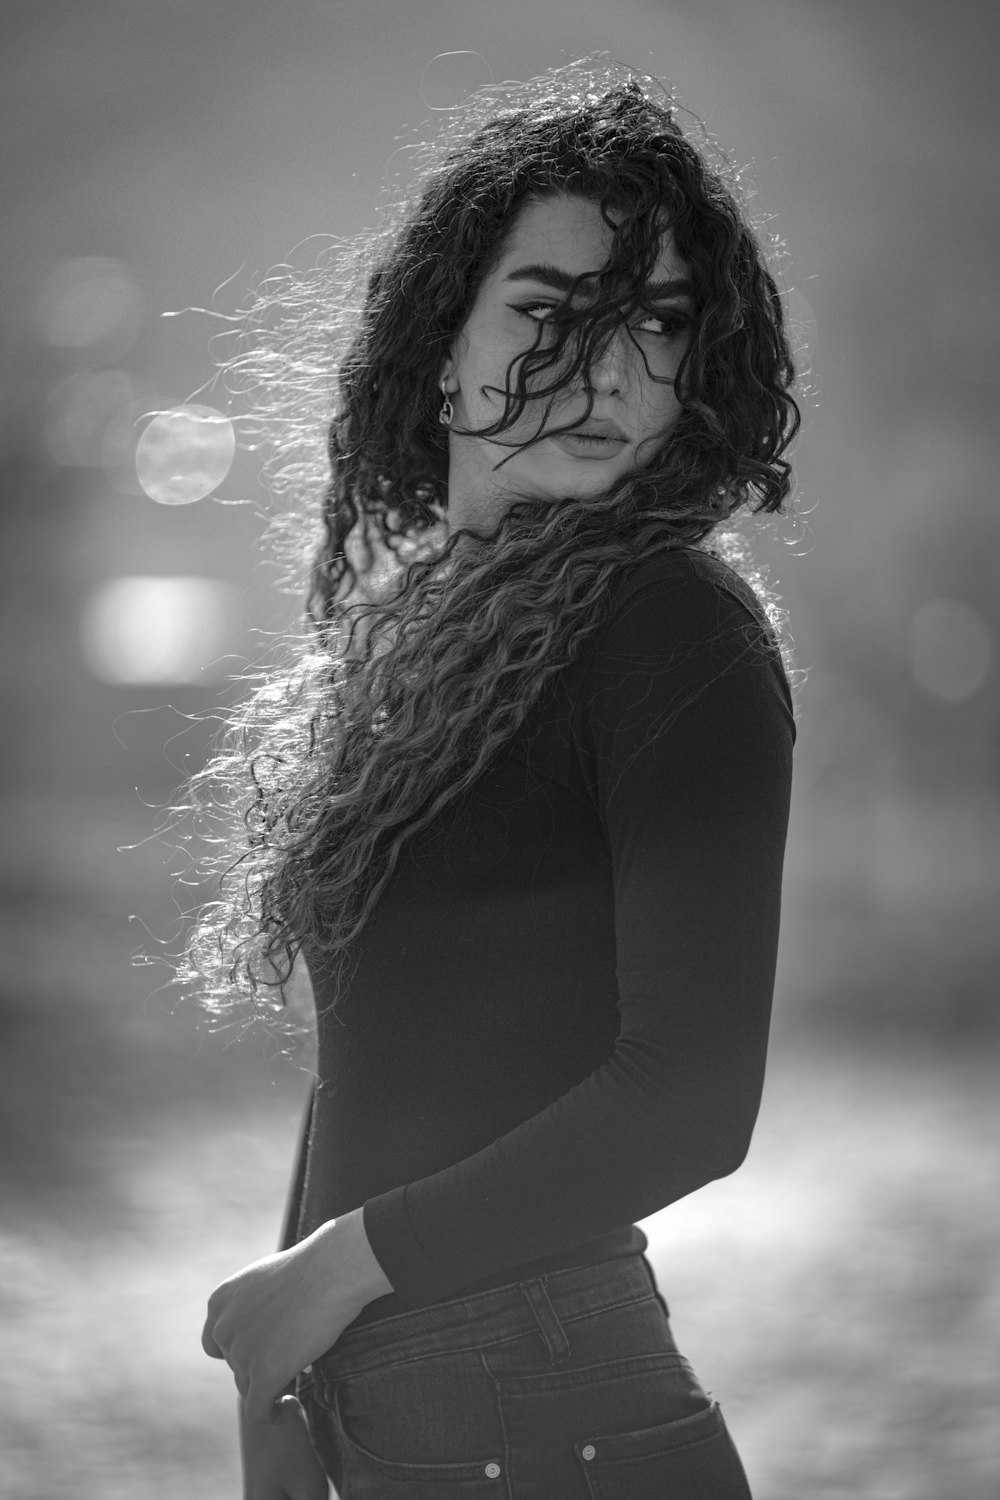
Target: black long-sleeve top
[(557, 1016)]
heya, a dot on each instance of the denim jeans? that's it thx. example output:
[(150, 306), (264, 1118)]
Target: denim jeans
[(567, 1386)]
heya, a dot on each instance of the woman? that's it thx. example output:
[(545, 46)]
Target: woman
[(521, 811)]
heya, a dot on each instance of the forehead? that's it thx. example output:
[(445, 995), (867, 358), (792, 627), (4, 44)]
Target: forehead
[(569, 232)]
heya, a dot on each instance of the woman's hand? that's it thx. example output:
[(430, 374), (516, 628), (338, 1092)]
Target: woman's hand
[(279, 1461), (276, 1316)]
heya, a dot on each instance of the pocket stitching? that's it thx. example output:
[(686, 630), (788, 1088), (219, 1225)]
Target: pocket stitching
[(640, 1364), (710, 1418)]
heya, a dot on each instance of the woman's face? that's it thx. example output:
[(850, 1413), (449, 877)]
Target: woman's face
[(552, 241)]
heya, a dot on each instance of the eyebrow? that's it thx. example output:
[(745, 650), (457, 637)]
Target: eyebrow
[(563, 281)]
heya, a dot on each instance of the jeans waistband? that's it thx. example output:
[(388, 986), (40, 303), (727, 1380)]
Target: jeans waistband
[(542, 1303)]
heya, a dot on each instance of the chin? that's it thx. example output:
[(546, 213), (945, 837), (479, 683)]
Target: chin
[(572, 484), (565, 476)]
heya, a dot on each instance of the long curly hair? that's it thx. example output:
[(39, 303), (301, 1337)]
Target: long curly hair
[(427, 650)]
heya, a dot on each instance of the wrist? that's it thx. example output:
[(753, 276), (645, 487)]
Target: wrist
[(352, 1259)]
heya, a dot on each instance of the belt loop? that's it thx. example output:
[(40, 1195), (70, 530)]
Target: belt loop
[(556, 1342)]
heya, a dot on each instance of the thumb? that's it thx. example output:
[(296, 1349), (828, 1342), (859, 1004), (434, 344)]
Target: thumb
[(286, 1408), (266, 1413)]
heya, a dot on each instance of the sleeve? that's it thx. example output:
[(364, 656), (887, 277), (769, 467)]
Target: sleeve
[(685, 730)]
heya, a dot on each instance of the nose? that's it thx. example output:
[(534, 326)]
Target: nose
[(607, 373)]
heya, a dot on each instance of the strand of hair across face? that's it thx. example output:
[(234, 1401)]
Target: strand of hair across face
[(394, 707)]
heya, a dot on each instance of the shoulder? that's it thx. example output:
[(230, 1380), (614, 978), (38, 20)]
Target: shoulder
[(684, 594), (678, 624)]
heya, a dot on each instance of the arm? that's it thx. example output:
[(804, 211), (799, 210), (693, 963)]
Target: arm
[(276, 1316), (686, 732)]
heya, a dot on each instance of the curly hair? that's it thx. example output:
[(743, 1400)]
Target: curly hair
[(427, 651)]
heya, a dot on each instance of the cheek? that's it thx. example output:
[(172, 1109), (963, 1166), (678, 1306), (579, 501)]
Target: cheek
[(645, 453), (490, 351), (657, 420), (658, 409)]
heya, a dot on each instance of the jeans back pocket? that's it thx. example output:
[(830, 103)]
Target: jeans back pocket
[(692, 1458), (366, 1475)]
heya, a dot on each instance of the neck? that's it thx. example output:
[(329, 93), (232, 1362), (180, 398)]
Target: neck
[(477, 500)]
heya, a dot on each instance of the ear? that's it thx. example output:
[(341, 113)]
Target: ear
[(448, 374)]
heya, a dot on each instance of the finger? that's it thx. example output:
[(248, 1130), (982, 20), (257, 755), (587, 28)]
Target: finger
[(260, 1405)]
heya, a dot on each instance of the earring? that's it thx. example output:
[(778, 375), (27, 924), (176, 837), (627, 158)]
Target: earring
[(447, 411)]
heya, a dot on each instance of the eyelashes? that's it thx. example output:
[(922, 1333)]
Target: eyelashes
[(670, 324), (530, 309)]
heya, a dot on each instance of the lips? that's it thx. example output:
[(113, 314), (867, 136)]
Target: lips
[(599, 427), (585, 443)]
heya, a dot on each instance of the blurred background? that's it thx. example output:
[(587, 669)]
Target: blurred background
[(841, 1294)]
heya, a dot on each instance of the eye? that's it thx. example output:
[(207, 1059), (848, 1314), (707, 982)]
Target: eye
[(660, 325), (663, 325), (538, 312)]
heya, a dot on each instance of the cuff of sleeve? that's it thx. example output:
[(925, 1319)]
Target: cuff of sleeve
[(414, 1277)]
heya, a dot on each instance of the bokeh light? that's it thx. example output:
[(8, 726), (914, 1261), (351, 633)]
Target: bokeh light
[(184, 454), (90, 418), (950, 649), (160, 630), (87, 300), (965, 325)]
